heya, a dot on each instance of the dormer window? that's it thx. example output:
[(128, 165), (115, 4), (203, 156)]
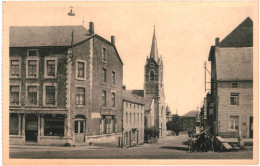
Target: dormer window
[(32, 53), (234, 85)]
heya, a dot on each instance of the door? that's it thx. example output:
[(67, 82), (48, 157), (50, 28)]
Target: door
[(31, 128), (251, 127), (79, 131)]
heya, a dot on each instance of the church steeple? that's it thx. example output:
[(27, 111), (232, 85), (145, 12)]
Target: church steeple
[(154, 48)]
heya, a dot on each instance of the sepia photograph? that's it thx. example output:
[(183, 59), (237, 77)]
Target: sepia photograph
[(152, 82)]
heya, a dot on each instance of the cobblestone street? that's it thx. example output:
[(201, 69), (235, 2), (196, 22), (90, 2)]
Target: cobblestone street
[(167, 148)]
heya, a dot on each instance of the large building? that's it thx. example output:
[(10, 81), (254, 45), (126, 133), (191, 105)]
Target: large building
[(230, 101), (133, 119), (65, 86)]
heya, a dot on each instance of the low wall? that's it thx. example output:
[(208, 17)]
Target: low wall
[(53, 140), (111, 139), (16, 140)]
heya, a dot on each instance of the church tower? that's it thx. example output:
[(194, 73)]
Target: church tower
[(153, 84), (154, 87)]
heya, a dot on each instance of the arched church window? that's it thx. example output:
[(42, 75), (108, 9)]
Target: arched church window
[(151, 76)]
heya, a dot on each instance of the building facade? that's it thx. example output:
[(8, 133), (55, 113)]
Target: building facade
[(230, 101), (133, 119), (65, 86)]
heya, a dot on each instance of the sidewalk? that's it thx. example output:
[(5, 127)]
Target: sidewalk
[(57, 148)]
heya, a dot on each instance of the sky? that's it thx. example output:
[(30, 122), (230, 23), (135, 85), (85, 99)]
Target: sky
[(184, 30)]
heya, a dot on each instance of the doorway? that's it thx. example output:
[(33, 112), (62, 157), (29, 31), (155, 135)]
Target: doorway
[(79, 129), (251, 127), (31, 128)]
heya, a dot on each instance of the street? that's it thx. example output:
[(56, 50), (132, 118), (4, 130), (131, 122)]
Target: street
[(167, 148)]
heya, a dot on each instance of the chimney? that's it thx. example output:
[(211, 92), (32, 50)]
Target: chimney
[(91, 27), (216, 41), (113, 40)]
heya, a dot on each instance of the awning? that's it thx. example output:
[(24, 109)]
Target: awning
[(39, 111)]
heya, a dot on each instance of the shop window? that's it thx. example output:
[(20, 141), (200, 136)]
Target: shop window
[(54, 125), (13, 124)]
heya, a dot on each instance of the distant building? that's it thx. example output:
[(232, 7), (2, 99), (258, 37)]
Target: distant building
[(168, 114), (188, 121), (65, 86), (133, 119), (230, 101)]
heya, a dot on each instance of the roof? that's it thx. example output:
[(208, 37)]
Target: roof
[(148, 101), (37, 36), (137, 92), (191, 114), (154, 48), (132, 98), (241, 36), (234, 64)]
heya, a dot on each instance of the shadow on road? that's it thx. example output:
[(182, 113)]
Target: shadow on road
[(175, 148)]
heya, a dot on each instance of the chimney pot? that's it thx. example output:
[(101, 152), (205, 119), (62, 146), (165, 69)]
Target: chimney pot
[(216, 41), (91, 27), (113, 40)]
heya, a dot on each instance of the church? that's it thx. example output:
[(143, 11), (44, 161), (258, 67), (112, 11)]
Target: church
[(153, 93)]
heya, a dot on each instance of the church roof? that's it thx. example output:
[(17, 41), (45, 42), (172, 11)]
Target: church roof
[(137, 92), (132, 97), (154, 48)]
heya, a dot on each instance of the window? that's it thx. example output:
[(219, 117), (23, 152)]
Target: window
[(104, 54), (50, 95), (104, 98), (234, 99), (134, 117), (234, 85), (14, 95), (113, 78), (13, 124), (32, 68), (113, 99), (151, 64), (15, 68), (234, 123), (130, 121), (114, 126), (32, 95), (137, 117), (80, 70), (126, 118), (104, 75), (54, 125), (141, 117), (32, 52), (50, 68), (151, 76), (80, 96)]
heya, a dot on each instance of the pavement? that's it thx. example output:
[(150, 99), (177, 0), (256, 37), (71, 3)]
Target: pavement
[(170, 147)]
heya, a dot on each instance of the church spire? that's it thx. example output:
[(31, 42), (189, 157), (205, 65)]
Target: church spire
[(154, 49)]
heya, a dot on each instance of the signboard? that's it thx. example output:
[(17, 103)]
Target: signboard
[(95, 115)]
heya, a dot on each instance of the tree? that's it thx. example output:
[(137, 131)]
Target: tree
[(174, 124)]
